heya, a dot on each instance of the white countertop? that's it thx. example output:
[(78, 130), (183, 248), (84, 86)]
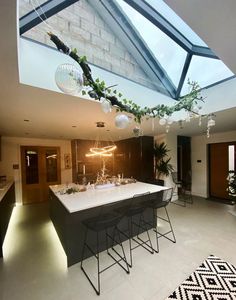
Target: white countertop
[(4, 189), (97, 197)]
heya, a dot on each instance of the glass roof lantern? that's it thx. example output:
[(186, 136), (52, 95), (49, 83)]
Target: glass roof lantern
[(177, 51)]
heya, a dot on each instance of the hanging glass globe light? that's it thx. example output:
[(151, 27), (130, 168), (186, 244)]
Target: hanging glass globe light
[(121, 121), (69, 79), (211, 122), (162, 121), (106, 105), (169, 121)]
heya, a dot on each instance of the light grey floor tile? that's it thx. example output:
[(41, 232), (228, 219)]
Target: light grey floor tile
[(34, 264)]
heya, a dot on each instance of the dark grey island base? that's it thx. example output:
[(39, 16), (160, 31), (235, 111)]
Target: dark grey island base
[(71, 231), (7, 202)]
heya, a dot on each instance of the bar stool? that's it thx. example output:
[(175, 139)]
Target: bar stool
[(161, 200), (185, 195), (177, 183), (106, 220), (186, 192), (135, 210)]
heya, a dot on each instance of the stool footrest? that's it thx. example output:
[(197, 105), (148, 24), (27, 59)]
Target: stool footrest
[(147, 247)]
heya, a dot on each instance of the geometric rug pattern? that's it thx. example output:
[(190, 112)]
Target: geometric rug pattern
[(214, 279)]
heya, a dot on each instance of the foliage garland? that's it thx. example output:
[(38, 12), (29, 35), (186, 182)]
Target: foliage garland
[(100, 90)]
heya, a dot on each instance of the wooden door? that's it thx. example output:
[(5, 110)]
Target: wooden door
[(40, 168), (219, 166)]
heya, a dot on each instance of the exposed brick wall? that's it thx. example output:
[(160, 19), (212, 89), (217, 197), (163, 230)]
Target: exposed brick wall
[(80, 26)]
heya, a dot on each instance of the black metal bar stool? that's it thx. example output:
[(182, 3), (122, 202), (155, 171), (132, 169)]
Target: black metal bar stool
[(182, 189), (157, 201), (187, 189), (177, 183), (136, 219), (106, 221)]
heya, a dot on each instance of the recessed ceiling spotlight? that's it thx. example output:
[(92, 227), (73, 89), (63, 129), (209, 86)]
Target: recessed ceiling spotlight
[(26, 120), (100, 124)]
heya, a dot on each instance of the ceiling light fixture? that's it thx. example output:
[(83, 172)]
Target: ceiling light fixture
[(137, 131), (99, 148)]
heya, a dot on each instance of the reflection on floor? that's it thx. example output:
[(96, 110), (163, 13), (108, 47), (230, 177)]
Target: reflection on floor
[(34, 265), (224, 201)]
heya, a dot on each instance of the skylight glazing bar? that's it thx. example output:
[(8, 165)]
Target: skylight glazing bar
[(130, 37), (203, 51), (184, 74), (47, 10), (157, 19)]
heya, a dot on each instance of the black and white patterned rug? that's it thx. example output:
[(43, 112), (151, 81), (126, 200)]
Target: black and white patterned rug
[(215, 279)]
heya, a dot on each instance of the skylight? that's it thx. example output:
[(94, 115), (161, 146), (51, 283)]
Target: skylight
[(161, 7), (172, 56), (28, 5), (157, 40), (169, 54), (206, 71)]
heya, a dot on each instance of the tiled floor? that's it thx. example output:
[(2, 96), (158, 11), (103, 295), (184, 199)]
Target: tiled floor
[(34, 265)]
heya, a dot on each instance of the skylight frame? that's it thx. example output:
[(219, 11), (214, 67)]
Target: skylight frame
[(157, 19), (127, 33), (51, 7), (48, 9), (154, 39)]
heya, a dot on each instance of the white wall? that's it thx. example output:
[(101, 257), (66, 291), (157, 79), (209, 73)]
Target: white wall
[(199, 152), (11, 155)]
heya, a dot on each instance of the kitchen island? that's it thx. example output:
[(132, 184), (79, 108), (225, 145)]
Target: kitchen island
[(7, 202), (67, 212)]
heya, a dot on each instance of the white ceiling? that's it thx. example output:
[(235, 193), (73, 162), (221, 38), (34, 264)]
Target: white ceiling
[(52, 115)]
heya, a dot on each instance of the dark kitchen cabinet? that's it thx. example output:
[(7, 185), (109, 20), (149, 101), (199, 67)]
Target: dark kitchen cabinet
[(133, 157)]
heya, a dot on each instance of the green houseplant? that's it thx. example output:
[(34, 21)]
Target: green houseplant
[(232, 184), (163, 168)]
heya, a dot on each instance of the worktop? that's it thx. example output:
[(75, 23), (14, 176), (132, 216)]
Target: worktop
[(97, 197), (4, 188)]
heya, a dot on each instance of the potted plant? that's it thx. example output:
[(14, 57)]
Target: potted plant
[(232, 185), (163, 168)]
